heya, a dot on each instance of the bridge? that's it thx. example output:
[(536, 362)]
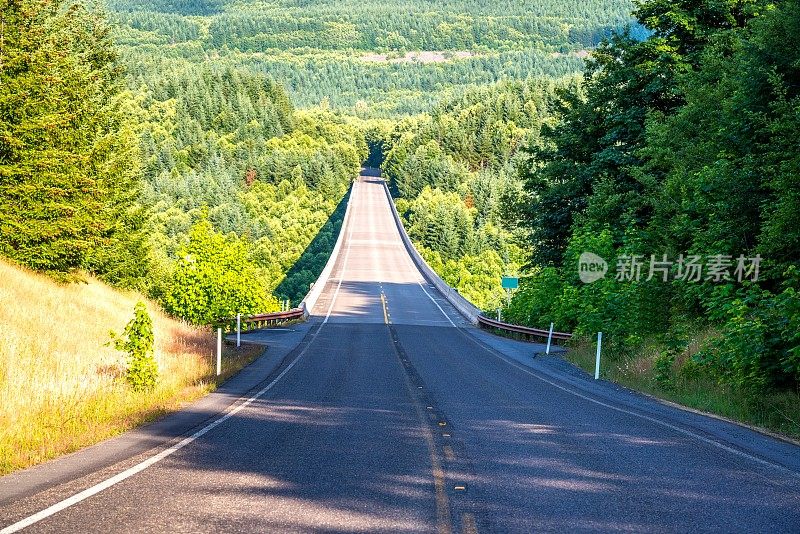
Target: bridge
[(390, 411)]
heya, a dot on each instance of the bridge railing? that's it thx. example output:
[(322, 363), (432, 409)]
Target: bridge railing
[(462, 305), (524, 331), (262, 320), (311, 298)]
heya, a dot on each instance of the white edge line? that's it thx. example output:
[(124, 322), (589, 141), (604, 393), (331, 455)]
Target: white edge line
[(415, 267), (422, 286), (119, 477), (654, 420), (344, 265), (660, 423), (131, 471)]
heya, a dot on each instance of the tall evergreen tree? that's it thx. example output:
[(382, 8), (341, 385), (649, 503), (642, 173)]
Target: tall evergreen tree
[(68, 177)]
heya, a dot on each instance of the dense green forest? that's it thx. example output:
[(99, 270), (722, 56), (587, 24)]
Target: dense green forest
[(367, 58), (227, 146), (454, 170), (69, 164), (199, 184), (678, 150)]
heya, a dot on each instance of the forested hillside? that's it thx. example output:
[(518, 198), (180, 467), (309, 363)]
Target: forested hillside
[(227, 146), (197, 65), (197, 183), (368, 58), (455, 172), (190, 163)]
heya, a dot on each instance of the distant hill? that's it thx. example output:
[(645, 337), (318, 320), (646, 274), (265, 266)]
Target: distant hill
[(369, 58)]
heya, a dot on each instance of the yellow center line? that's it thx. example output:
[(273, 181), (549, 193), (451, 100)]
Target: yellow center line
[(385, 312), (443, 521)]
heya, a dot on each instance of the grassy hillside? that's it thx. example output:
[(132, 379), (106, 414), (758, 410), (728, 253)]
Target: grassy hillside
[(62, 387)]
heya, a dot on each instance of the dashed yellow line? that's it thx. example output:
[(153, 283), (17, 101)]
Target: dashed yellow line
[(444, 523), (385, 311)]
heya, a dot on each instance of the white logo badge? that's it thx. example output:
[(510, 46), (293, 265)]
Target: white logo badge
[(591, 268)]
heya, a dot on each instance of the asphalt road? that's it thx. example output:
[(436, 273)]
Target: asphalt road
[(394, 415)]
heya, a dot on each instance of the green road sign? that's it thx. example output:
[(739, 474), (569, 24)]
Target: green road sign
[(510, 282)]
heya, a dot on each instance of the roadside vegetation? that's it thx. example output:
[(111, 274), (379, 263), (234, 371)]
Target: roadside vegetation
[(678, 146), (63, 384), (194, 188)]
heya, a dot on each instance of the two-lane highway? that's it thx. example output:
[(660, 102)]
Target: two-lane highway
[(394, 415)]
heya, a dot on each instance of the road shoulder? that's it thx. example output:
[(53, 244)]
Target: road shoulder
[(784, 455)]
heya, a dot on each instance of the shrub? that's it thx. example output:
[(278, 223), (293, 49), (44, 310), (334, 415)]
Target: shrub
[(214, 279), (759, 347), (663, 370), (142, 372)]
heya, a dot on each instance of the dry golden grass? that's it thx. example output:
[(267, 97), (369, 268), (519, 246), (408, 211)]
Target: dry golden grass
[(61, 384)]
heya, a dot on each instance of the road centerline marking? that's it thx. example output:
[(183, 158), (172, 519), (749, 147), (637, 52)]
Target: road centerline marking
[(444, 522), (385, 311)]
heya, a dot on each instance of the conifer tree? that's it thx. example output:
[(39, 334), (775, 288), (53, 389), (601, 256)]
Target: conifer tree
[(68, 177)]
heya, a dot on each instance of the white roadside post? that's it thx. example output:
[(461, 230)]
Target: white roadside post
[(219, 351), (238, 330), (549, 339), (597, 360)]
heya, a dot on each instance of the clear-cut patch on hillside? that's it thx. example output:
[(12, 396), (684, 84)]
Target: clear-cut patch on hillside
[(429, 56)]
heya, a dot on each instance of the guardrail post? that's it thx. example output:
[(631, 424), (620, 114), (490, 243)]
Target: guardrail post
[(549, 339), (238, 330), (219, 351), (597, 359)]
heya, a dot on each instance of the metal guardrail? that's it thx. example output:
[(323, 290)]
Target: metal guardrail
[(485, 322), (262, 320), (271, 319)]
